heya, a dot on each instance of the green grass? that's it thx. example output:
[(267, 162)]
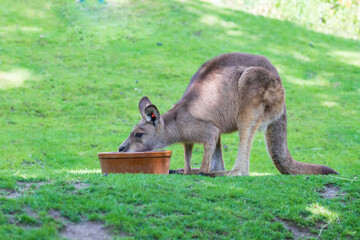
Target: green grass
[(168, 207), (341, 18), (71, 76)]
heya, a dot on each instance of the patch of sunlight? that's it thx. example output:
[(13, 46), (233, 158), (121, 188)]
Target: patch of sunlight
[(84, 171), (209, 184), (351, 58), (329, 104), (21, 28), (295, 54), (30, 29), (290, 11), (28, 175), (47, 5), (236, 188), (116, 2), (221, 3), (14, 78), (316, 209), (302, 82), (213, 20), (31, 13), (261, 174), (193, 10), (281, 70), (300, 56), (234, 33)]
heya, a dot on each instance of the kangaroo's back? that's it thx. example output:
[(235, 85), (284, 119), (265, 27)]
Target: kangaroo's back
[(230, 62), (213, 92)]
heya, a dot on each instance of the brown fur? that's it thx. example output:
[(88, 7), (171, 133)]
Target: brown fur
[(231, 92)]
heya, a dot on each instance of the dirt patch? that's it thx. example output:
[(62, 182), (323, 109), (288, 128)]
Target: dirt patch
[(80, 185), (85, 231), (22, 187), (331, 191), (27, 185), (31, 213), (296, 230), (26, 220), (30, 225), (9, 193), (57, 215)]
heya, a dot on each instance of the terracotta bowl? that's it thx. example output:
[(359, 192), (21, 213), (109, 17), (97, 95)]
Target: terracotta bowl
[(156, 162)]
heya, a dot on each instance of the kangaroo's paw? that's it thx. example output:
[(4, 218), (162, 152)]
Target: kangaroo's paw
[(195, 171), (177, 171), (216, 174), (222, 173), (209, 174)]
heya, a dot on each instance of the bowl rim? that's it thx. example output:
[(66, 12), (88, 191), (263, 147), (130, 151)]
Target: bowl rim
[(121, 155)]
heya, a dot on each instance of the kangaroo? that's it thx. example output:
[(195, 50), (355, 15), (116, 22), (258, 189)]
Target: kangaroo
[(231, 92)]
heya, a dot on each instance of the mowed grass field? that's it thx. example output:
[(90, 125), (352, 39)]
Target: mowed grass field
[(71, 77)]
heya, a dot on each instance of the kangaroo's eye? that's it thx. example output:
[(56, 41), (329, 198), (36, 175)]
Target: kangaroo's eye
[(138, 135)]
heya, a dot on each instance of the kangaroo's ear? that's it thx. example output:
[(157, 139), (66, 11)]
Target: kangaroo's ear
[(144, 102), (152, 114), (149, 111)]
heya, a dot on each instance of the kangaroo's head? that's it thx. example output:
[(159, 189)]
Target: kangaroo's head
[(145, 136)]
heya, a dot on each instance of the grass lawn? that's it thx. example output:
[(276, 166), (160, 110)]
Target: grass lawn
[(71, 77)]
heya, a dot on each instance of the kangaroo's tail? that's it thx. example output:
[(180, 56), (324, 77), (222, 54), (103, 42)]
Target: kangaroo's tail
[(276, 141)]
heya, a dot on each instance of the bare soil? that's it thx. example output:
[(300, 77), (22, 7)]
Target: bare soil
[(298, 233), (80, 185), (85, 231), (23, 187), (331, 191)]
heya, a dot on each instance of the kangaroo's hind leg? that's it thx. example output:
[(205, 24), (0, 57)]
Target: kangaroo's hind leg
[(261, 98), (246, 134), (217, 161), (188, 147)]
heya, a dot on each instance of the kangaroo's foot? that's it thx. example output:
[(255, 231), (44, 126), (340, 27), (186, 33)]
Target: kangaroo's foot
[(193, 171), (223, 173), (177, 171)]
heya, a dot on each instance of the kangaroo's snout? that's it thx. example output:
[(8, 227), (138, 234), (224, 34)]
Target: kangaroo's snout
[(124, 147)]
